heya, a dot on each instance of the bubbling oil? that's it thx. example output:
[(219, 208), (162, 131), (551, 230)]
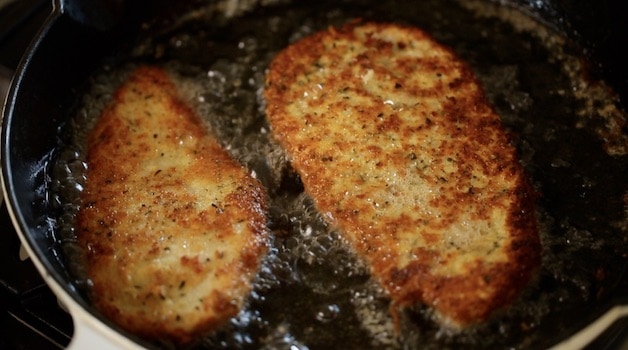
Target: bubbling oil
[(312, 291)]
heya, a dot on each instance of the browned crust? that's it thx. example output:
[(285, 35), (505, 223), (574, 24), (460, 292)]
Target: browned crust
[(458, 297), (130, 224), (475, 140)]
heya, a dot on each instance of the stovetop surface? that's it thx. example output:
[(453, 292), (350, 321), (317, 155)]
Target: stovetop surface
[(31, 317)]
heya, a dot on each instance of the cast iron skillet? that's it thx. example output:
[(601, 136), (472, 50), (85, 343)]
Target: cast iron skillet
[(71, 46)]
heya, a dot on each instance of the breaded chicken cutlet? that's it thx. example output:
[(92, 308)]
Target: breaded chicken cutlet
[(399, 149), (173, 228)]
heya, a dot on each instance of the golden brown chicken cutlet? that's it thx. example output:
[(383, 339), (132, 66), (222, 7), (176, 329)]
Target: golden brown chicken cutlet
[(399, 149), (173, 228)]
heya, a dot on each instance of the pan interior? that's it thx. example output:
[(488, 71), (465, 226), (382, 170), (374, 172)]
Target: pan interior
[(566, 125)]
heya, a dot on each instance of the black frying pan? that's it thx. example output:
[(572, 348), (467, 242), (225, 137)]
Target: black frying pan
[(81, 36)]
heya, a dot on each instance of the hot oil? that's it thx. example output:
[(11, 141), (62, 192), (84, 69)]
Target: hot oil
[(312, 292)]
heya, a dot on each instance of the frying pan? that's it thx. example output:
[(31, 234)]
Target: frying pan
[(81, 36)]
